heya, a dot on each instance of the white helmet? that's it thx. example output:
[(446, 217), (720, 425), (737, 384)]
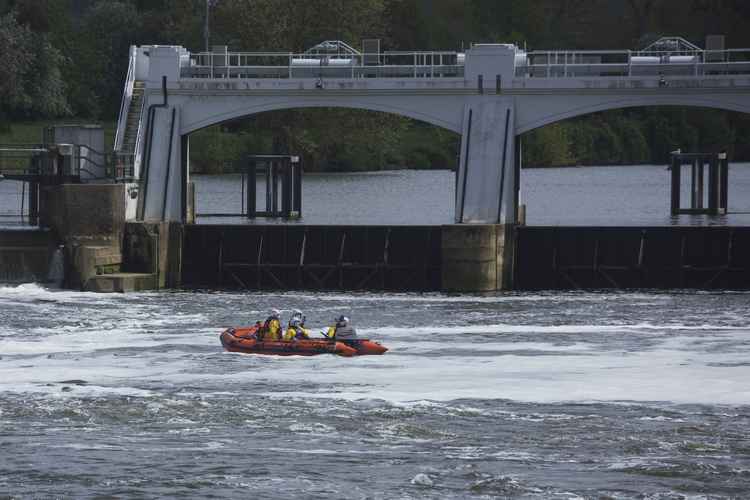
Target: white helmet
[(275, 313), (296, 313), (342, 320)]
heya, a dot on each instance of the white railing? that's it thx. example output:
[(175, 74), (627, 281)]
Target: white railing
[(291, 65), (138, 140), (127, 96), (602, 63)]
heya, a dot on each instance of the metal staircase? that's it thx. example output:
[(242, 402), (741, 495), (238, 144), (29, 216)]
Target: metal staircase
[(133, 118)]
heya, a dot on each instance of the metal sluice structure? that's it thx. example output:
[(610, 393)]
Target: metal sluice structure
[(36, 165), (717, 187), (282, 175)]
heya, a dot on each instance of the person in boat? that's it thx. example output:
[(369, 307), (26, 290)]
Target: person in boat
[(341, 330), (296, 330), (271, 329)]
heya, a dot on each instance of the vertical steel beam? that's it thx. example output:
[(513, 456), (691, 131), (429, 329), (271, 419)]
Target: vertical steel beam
[(297, 188), (675, 194), (724, 174), (694, 184), (268, 188), (699, 187), (713, 185), (251, 191), (33, 204), (274, 189)]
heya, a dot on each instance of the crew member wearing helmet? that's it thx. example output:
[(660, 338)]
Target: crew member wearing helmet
[(296, 330), (271, 329), (342, 330)]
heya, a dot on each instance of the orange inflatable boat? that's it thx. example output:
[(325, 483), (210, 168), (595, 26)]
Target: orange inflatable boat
[(244, 340)]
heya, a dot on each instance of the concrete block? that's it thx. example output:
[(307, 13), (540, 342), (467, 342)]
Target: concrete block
[(476, 257), (121, 283), (84, 212)]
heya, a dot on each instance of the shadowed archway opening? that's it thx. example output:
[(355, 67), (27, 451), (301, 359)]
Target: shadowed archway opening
[(373, 167)]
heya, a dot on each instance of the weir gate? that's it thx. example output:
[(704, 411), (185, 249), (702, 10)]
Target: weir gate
[(489, 94)]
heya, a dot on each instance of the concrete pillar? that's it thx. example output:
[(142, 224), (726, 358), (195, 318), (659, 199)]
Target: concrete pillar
[(161, 192), (477, 257), (486, 185)]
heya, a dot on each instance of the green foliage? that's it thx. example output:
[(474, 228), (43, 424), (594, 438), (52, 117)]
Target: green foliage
[(30, 79)]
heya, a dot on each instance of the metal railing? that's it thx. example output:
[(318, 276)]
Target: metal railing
[(127, 96), (36, 162), (303, 65), (626, 63)]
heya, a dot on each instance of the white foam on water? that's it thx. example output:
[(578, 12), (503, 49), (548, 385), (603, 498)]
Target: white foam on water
[(570, 328), (465, 298), (673, 372), (71, 339), (29, 292)]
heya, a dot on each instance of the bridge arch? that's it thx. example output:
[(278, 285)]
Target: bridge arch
[(534, 115), (198, 114)]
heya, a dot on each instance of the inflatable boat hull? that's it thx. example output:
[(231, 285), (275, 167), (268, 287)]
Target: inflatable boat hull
[(242, 340)]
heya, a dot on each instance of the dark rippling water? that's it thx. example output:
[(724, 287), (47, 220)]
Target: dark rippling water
[(518, 395)]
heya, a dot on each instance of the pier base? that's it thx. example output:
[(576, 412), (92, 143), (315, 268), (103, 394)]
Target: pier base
[(476, 257)]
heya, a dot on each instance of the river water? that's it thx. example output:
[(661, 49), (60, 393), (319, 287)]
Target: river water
[(642, 395), (517, 395), (588, 196)]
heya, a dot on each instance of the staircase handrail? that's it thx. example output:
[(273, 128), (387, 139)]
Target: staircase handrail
[(127, 96), (138, 141)]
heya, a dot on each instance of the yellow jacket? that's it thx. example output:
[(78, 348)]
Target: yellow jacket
[(292, 333), (331, 333), (273, 333)]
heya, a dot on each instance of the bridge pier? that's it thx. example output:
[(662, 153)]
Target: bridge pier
[(478, 250)]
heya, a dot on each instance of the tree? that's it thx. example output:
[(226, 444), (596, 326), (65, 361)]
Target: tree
[(100, 57), (30, 81)]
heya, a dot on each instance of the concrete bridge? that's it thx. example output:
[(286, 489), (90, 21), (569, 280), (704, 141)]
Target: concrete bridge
[(490, 95)]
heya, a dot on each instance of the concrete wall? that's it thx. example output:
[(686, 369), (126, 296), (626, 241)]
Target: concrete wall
[(154, 248), (90, 213), (88, 219)]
